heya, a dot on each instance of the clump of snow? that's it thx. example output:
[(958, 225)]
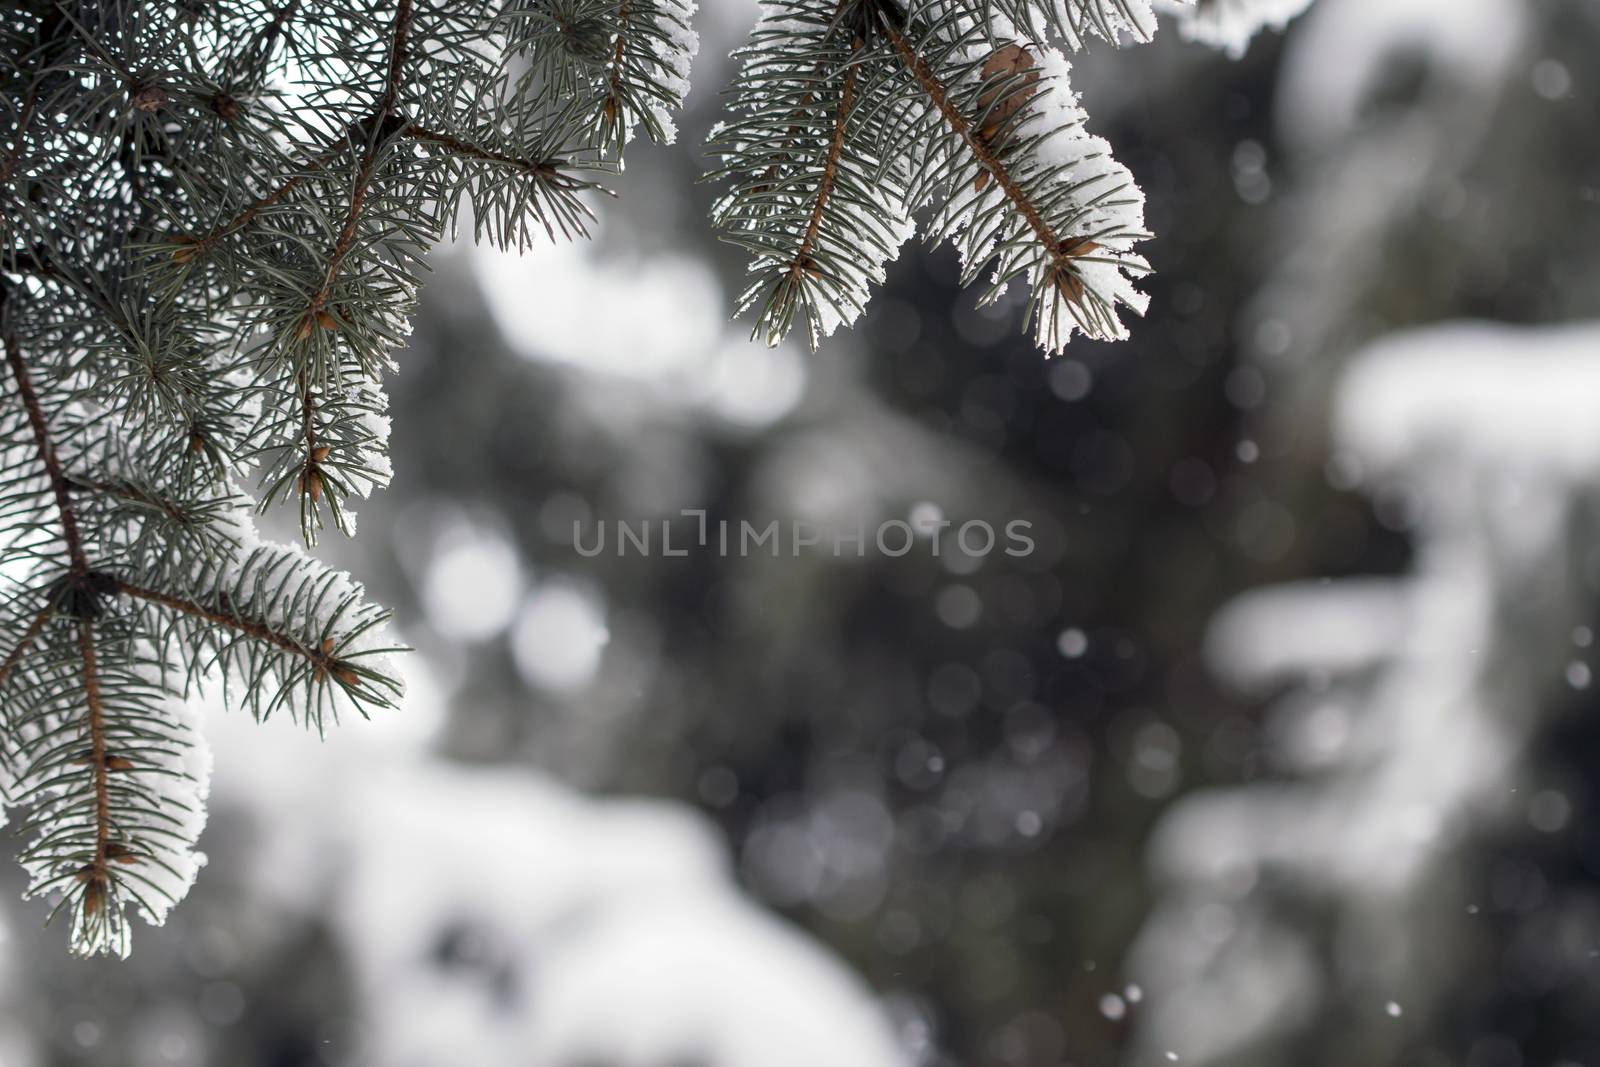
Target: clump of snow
[(1341, 53), (1231, 24), (1478, 395), (673, 54), (1117, 21), (181, 772), (1338, 628)]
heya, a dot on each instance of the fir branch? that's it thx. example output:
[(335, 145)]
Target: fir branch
[(365, 168), (813, 157), (1061, 252), (644, 74), (611, 108), (215, 224), (544, 153), (378, 121), (320, 658), (134, 494), (381, 123), (1072, 22), (190, 247), (549, 169), (76, 597), (79, 573), (830, 171)]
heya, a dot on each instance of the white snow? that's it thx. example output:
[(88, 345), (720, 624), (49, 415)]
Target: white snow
[(1231, 24), (1119, 21), (1476, 394), (1344, 46), (1337, 628), (673, 57), (184, 775)]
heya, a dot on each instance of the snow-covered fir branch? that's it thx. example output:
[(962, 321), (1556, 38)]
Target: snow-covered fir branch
[(213, 226)]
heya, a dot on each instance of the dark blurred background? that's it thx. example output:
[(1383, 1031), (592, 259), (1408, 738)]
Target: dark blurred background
[(1084, 807)]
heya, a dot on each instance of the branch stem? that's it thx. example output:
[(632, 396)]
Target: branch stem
[(398, 36), (830, 169), (255, 207), (100, 770), (618, 61), (460, 147), (218, 617), (980, 148)]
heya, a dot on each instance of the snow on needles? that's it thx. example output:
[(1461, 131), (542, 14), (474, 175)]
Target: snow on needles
[(162, 777), (1065, 218), (1110, 204), (674, 52)]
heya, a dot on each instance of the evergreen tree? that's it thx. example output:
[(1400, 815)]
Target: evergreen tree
[(212, 224)]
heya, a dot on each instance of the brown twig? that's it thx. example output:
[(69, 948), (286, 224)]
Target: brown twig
[(101, 769), (399, 35), (376, 126), (78, 571), (830, 170), (320, 658), (612, 109), (1061, 252), (372, 124), (311, 481), (193, 247), (543, 168)]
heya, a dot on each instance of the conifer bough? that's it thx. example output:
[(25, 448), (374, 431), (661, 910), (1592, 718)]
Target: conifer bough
[(212, 218)]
